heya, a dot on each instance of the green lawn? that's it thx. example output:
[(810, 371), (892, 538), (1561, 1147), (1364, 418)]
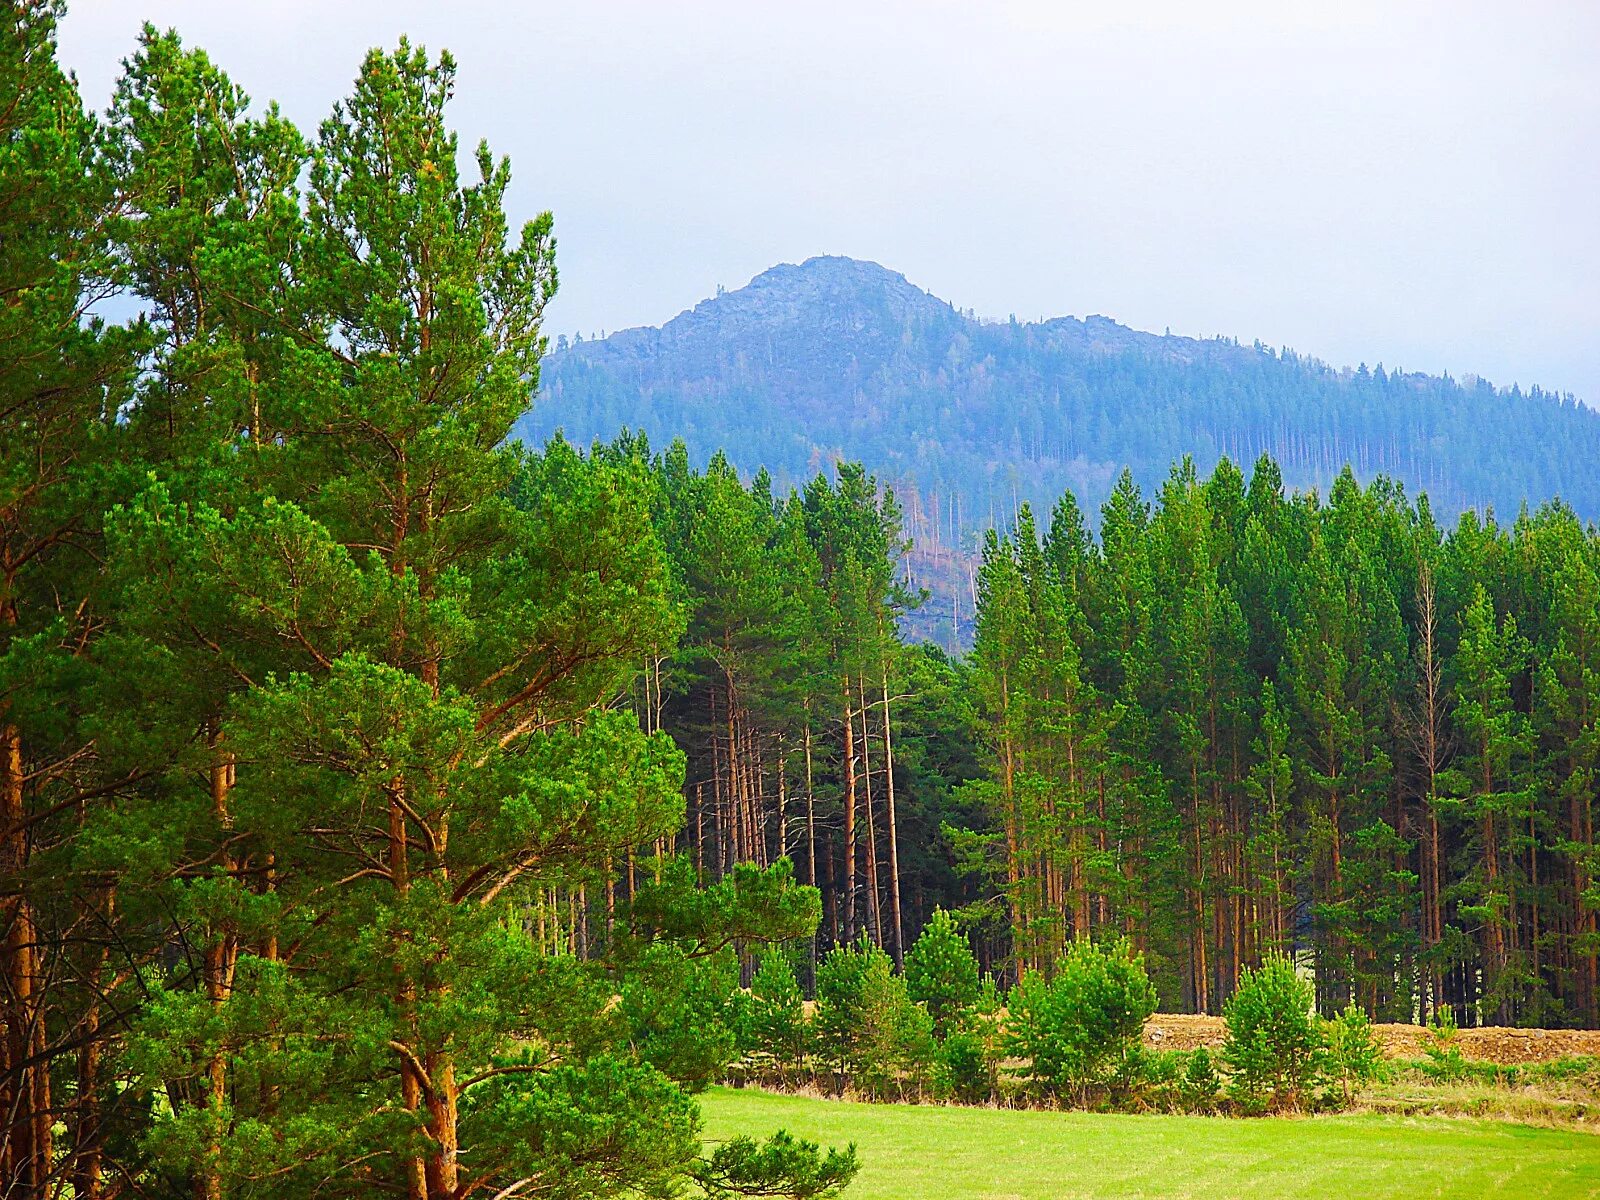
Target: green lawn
[(913, 1152)]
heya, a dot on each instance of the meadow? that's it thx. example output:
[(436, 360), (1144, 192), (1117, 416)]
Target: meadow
[(929, 1152)]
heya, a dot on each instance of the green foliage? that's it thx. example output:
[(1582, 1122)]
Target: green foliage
[(681, 1012), (782, 1166), (1273, 1038), (1441, 1044), (1073, 1032), (350, 843), (941, 972), (868, 1027), (774, 1022), (390, 808), (841, 1003), (896, 1049), (749, 904), (1201, 1084), (966, 1069), (1352, 1055)]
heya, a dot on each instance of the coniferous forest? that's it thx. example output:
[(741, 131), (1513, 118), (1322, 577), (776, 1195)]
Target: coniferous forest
[(391, 809)]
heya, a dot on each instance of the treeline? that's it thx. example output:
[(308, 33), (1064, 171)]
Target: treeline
[(1240, 722), (314, 689)]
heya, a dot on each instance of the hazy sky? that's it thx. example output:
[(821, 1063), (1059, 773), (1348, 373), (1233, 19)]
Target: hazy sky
[(1411, 183)]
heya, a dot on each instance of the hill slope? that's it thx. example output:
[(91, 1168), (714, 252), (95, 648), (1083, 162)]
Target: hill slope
[(841, 358)]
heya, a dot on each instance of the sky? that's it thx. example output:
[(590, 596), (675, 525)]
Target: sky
[(1410, 183)]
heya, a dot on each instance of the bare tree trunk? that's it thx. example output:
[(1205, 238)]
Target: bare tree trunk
[(783, 802), (811, 815), (221, 955), (849, 817), (25, 1091), (874, 905), (1019, 918), (894, 840), (735, 784)]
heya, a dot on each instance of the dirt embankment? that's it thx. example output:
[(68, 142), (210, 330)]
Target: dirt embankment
[(1181, 1031)]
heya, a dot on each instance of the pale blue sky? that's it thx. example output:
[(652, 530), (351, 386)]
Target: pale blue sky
[(1416, 183)]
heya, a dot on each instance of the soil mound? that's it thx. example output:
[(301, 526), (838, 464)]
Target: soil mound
[(1489, 1043)]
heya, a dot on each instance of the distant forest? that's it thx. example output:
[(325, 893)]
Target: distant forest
[(839, 359)]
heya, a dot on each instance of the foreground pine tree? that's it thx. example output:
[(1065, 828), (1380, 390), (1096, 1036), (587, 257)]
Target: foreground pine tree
[(310, 682)]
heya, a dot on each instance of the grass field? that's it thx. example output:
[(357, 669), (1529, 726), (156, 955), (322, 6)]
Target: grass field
[(911, 1152)]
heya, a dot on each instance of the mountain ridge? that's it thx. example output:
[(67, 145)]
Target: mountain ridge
[(839, 358)]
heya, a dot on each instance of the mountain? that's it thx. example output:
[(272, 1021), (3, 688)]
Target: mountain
[(838, 358)]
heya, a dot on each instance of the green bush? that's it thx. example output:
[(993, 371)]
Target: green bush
[(1445, 1062), (942, 972), (868, 1029), (1273, 1038), (1144, 1080), (1074, 1032), (1352, 1056), (896, 1050), (1201, 1084), (841, 1005), (965, 1068), (773, 1024), (784, 1167)]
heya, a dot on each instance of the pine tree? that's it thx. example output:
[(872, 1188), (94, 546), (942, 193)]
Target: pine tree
[(941, 971), (1489, 780), (63, 376)]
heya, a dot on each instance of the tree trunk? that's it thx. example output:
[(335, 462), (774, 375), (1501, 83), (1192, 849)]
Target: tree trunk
[(25, 1092), (894, 840), (874, 901), (221, 955), (849, 817)]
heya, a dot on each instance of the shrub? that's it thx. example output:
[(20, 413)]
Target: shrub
[(867, 1026), (1145, 1080), (1200, 1082), (895, 1052), (1445, 1062), (1075, 1031), (1273, 1037), (1353, 1056), (773, 1023), (783, 1166), (941, 972), (965, 1068), (841, 1004)]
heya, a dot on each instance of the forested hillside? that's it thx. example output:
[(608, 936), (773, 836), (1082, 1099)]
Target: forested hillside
[(837, 358)]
